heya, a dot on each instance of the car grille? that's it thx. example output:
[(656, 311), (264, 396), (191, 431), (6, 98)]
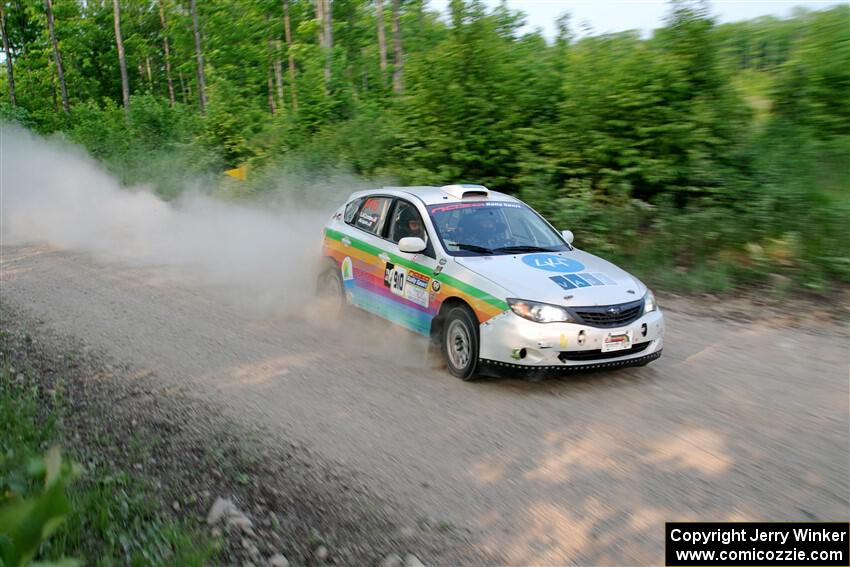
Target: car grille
[(609, 315), (579, 355)]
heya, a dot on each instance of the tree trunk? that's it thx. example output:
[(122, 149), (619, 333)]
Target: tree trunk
[(150, 74), (398, 54), (57, 57), (270, 66), (325, 18), (167, 54), (53, 92), (364, 74), (185, 90), (420, 17), (320, 18), (272, 108), (457, 9), (349, 78), (382, 37), (328, 24), (10, 76), (122, 61), (202, 97), (278, 75), (288, 33), (329, 39)]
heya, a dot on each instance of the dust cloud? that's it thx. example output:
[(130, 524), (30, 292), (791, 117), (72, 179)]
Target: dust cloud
[(260, 257)]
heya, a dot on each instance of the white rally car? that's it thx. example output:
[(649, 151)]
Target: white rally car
[(489, 280)]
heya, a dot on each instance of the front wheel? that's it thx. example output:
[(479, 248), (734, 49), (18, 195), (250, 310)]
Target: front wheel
[(460, 342)]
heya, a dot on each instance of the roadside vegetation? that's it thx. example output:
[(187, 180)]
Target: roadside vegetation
[(704, 158), (85, 509)]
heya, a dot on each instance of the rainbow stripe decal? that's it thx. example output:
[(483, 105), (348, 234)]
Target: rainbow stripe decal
[(399, 289)]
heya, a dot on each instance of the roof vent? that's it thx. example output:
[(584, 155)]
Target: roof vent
[(466, 190)]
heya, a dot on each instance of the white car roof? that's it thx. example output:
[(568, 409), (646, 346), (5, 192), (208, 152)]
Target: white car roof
[(435, 195)]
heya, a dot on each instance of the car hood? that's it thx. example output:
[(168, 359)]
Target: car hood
[(569, 278)]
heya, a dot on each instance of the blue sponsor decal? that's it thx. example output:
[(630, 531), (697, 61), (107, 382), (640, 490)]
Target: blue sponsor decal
[(563, 282), (577, 279), (591, 279), (604, 279), (584, 279), (553, 263)]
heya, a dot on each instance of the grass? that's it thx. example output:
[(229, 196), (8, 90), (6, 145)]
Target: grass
[(118, 516)]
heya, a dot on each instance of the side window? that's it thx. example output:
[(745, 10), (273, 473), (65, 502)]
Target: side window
[(372, 214), (406, 221), (351, 210)]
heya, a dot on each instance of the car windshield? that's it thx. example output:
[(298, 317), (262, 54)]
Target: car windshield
[(482, 228)]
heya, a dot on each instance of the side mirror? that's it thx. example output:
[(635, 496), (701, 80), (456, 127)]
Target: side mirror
[(411, 245), (568, 236)]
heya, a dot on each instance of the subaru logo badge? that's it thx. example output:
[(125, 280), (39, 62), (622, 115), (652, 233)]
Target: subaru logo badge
[(613, 310)]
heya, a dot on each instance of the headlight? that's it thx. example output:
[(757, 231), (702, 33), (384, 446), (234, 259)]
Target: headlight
[(539, 312), (649, 303)]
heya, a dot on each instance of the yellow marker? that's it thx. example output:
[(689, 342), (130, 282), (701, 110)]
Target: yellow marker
[(240, 173), (563, 340)]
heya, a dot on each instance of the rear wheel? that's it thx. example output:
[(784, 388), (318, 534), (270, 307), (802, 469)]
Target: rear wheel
[(330, 291), (459, 342)]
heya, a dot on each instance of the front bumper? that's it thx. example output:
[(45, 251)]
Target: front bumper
[(509, 341)]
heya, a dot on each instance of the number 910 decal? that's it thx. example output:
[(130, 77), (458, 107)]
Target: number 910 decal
[(409, 284)]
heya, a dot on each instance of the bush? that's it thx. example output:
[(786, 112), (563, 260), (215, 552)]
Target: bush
[(157, 146)]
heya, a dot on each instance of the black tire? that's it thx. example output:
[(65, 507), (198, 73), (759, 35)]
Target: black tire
[(459, 342), (330, 291)]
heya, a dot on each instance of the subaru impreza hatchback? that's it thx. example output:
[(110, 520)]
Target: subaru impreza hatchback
[(489, 280)]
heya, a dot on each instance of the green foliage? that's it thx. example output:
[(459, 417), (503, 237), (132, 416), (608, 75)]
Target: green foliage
[(17, 114), (814, 83), (105, 517), (25, 523), (33, 501), (457, 120), (155, 145), (676, 154), (642, 119)]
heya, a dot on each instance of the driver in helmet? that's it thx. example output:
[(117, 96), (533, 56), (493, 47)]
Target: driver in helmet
[(410, 224)]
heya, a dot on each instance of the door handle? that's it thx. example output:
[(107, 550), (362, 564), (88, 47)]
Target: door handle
[(346, 241)]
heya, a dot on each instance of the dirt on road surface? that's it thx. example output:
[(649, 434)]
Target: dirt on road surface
[(737, 421)]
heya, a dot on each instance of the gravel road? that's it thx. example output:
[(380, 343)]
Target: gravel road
[(738, 421)]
